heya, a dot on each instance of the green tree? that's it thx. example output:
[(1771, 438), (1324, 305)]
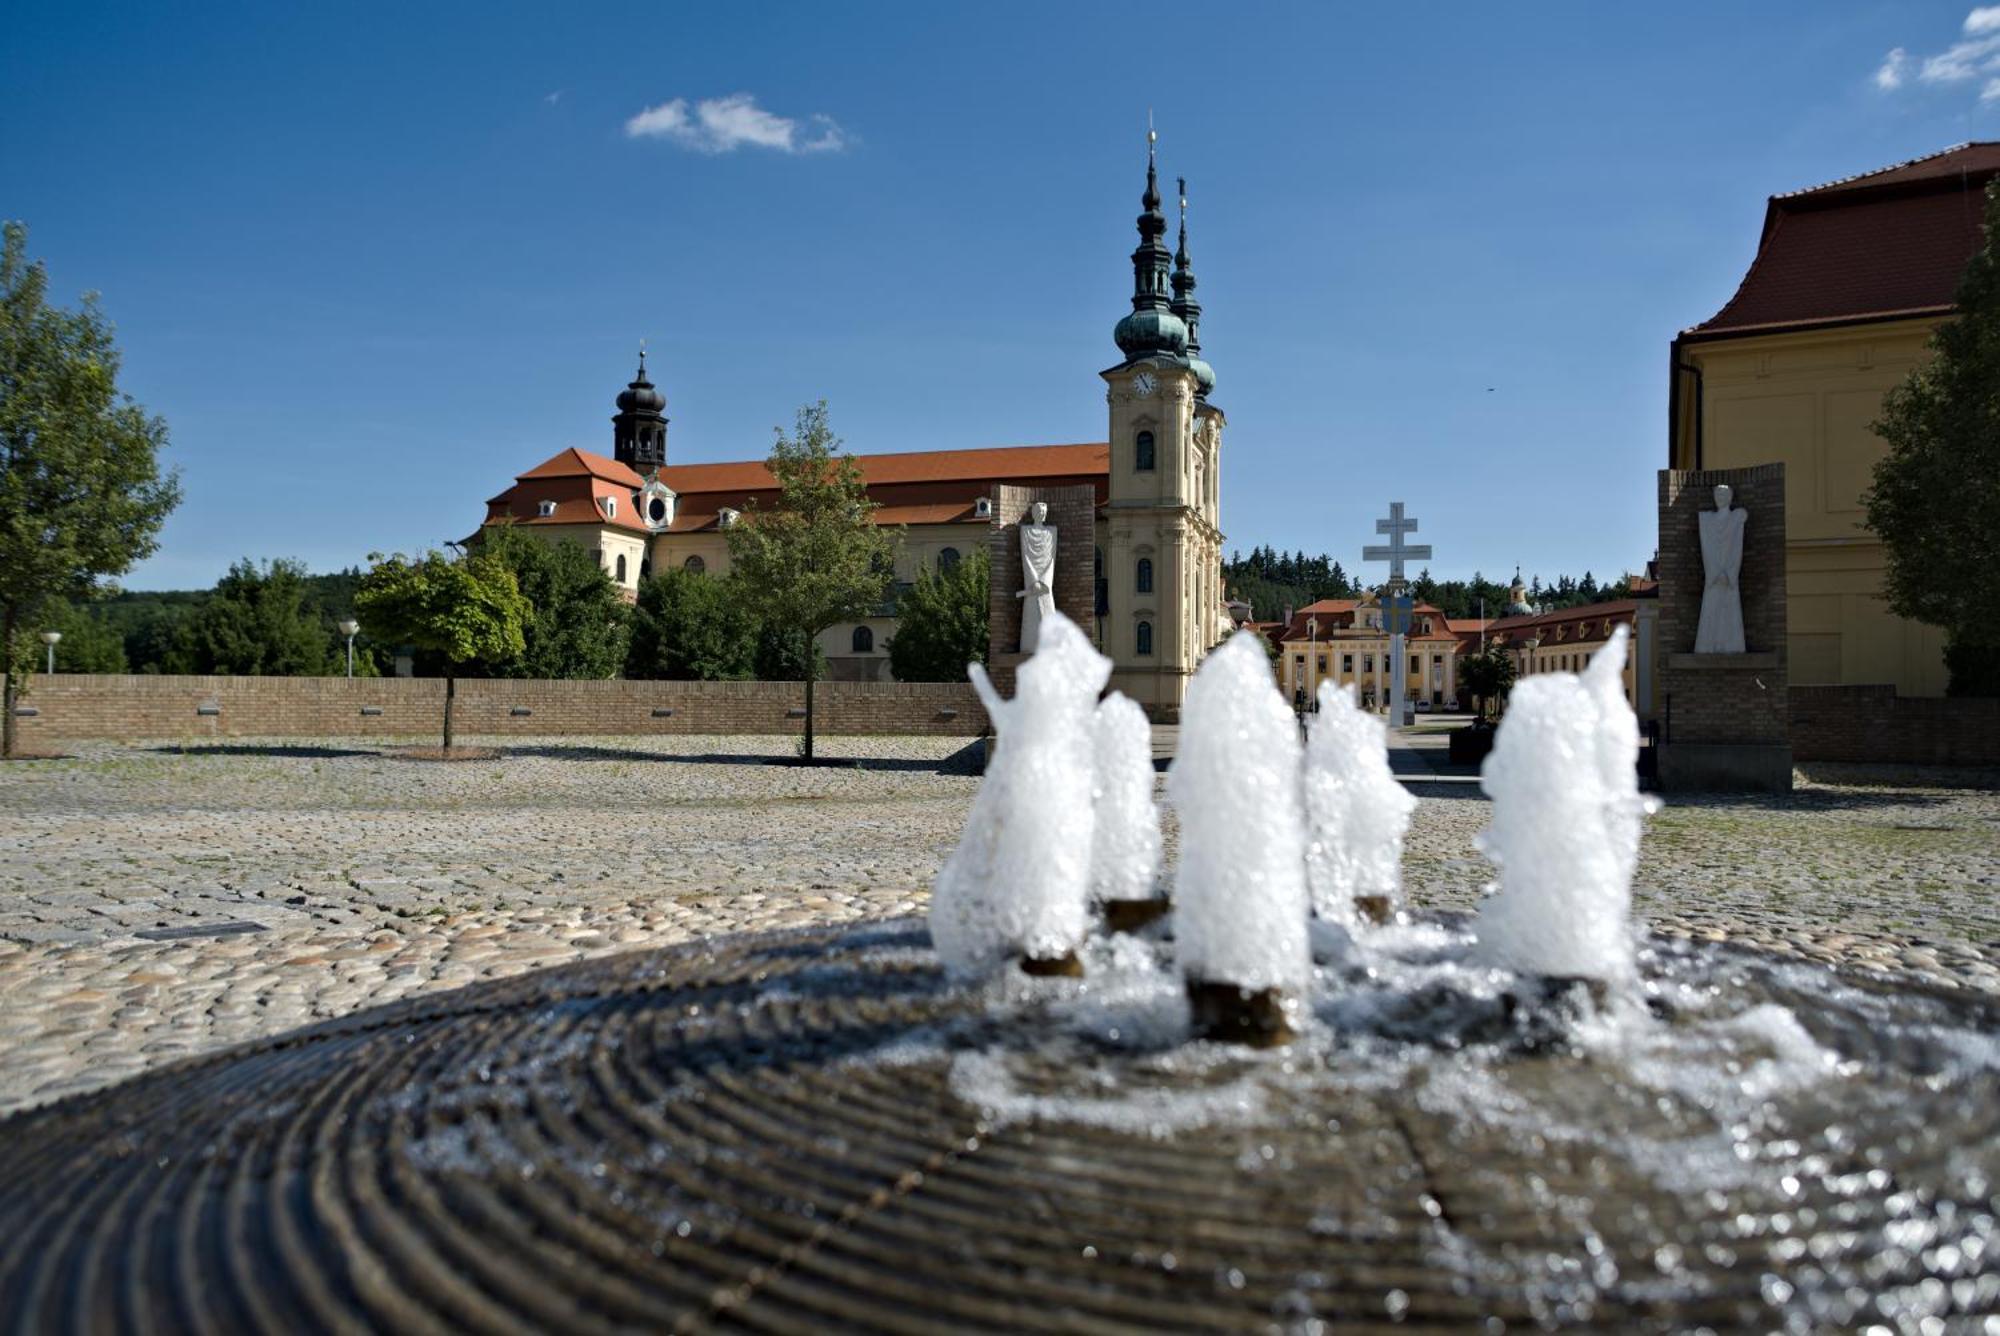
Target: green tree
[(941, 623), (81, 493), (690, 627), (579, 626), (816, 557), (468, 611), (88, 644), (1488, 676), (257, 624), (1936, 497)]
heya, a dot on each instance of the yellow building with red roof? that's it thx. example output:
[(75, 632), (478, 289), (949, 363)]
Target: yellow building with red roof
[(1157, 555), (1342, 640), (1848, 282)]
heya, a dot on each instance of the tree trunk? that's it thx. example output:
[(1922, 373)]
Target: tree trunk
[(812, 665), (7, 666), (450, 690)]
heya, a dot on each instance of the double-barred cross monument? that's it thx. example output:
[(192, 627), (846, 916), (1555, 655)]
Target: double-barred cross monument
[(1395, 603)]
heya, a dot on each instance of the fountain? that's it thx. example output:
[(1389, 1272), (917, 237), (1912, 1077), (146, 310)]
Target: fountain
[(1017, 886), (1534, 1117), (1563, 776), (1240, 893), (1356, 814), (1125, 846)]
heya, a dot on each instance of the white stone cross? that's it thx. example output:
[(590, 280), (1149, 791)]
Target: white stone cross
[(1396, 551)]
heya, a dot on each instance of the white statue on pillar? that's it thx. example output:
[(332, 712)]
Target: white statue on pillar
[(1720, 630), (1038, 574)]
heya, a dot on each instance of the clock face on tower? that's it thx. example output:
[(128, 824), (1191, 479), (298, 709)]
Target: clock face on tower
[(1143, 383)]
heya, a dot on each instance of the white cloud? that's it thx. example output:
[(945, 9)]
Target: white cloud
[(725, 124), (1963, 61), (1893, 65), (1975, 56)]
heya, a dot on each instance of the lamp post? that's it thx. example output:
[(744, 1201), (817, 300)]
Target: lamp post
[(348, 628), (50, 638)]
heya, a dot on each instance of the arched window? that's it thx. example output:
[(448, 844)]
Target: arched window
[(695, 565), (1143, 580), (1143, 452), (864, 640), (620, 577), (1144, 639), (948, 559)]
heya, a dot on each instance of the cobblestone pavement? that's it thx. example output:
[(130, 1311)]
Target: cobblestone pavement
[(157, 902)]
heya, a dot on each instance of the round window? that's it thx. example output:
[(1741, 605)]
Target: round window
[(656, 509)]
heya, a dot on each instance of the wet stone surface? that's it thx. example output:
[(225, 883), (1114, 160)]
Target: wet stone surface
[(811, 1130), (311, 880)]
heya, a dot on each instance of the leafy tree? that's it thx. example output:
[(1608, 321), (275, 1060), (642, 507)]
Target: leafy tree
[(941, 623), (579, 626), (81, 494), (1936, 497), (690, 627), (469, 611), (88, 644), (816, 557), (257, 623), (1488, 676)]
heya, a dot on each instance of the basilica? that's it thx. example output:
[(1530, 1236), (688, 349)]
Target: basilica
[(1156, 483)]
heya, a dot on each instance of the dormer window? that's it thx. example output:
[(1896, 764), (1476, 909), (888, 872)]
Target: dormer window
[(982, 509), (609, 505), (726, 518), (545, 509)]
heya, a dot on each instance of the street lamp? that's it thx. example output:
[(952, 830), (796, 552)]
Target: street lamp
[(50, 638), (348, 628)]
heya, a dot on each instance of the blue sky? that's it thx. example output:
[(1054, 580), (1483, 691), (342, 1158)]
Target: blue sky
[(370, 261)]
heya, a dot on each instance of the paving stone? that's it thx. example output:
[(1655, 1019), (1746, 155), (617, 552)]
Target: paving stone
[(374, 878)]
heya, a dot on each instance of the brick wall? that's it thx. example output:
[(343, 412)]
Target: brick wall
[(1073, 512), (1702, 705), (1873, 723), (75, 706)]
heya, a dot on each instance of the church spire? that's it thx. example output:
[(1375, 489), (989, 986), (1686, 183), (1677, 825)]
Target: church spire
[(639, 429), (1152, 329), (1186, 307)]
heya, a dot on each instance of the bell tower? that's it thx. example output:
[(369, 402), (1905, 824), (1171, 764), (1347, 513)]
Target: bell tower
[(639, 429), (1162, 568)]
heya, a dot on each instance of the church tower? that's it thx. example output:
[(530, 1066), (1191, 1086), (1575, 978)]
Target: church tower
[(639, 429), (1163, 570)]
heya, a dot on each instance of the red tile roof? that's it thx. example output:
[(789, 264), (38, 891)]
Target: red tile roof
[(1336, 615), (1887, 243), (922, 487), (1543, 625), (573, 463)]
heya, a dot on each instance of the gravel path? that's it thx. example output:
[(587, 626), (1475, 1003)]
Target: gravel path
[(157, 902)]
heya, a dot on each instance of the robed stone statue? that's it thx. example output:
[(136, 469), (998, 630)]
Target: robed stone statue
[(1720, 630), (1038, 574)]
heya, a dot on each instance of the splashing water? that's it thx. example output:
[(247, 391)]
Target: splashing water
[(1240, 894), (1018, 884), (1125, 847), (1563, 777), (1356, 811)]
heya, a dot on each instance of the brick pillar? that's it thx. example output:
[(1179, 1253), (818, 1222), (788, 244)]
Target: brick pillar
[(1073, 512), (1724, 718)]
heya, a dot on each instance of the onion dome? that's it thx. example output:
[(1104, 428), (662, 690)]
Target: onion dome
[(1152, 329), (640, 396)]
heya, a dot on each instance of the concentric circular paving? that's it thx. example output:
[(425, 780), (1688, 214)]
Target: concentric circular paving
[(786, 1133)]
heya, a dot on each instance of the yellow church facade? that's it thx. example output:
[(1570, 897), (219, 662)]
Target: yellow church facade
[(1156, 558), (1848, 283)]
